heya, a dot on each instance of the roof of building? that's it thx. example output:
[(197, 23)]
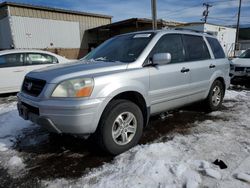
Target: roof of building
[(38, 7), (136, 20), (201, 23)]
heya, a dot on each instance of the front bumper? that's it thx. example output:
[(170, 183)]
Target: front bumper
[(61, 116), (240, 80)]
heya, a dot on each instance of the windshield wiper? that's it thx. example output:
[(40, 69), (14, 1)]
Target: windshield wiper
[(100, 59), (104, 59)]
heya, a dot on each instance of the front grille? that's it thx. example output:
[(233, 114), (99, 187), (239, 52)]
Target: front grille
[(33, 86), (239, 68), (248, 70)]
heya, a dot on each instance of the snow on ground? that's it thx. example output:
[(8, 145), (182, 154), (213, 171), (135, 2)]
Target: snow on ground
[(11, 126), (186, 160), (183, 161)]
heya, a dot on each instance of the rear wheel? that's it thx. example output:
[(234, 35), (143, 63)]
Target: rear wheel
[(120, 127), (215, 96)]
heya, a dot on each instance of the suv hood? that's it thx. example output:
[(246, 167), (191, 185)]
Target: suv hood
[(241, 62), (58, 73)]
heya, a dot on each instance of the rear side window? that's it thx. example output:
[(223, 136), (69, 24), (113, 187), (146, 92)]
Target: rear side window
[(216, 48), (38, 59), (170, 43), (11, 60), (196, 48)]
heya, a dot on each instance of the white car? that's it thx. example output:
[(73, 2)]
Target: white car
[(240, 68), (15, 64)]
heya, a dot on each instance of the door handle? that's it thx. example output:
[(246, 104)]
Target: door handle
[(183, 70), (212, 66)]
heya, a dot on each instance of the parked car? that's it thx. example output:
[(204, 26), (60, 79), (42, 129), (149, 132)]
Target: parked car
[(112, 92), (15, 64), (240, 68)]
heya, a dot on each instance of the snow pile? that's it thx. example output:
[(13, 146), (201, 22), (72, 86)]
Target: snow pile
[(11, 126), (186, 160), (15, 163)]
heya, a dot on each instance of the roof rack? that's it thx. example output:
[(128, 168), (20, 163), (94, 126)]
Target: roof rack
[(196, 31)]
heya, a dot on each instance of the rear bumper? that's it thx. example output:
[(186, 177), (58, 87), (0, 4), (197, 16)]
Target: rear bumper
[(61, 116)]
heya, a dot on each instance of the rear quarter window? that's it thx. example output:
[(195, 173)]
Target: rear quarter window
[(196, 48), (216, 48), (39, 59)]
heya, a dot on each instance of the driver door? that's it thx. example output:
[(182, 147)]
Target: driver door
[(169, 83)]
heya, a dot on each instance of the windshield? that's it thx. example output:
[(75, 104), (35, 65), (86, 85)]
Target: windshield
[(124, 48), (245, 54)]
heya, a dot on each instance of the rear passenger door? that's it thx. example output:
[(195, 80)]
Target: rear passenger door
[(12, 72), (200, 64), (219, 60), (169, 84)]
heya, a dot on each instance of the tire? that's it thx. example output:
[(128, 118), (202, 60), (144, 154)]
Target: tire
[(215, 97), (116, 133)]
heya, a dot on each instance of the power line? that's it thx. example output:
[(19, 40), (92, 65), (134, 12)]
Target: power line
[(182, 9), (217, 2)]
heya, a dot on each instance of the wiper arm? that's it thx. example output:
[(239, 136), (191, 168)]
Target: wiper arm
[(104, 59), (101, 59)]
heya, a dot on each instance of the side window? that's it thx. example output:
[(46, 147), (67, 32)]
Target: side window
[(216, 48), (39, 59), (11, 60), (196, 48), (170, 43)]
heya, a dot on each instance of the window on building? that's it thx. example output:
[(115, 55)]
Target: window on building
[(196, 48), (216, 48)]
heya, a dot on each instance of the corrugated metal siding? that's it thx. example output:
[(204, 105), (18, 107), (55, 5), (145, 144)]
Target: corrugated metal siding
[(5, 34), (41, 33), (45, 14), (85, 21)]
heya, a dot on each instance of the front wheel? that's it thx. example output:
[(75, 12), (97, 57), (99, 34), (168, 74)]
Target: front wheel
[(120, 127), (215, 96)]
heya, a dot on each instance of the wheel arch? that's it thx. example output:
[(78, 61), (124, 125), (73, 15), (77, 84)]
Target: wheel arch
[(133, 96)]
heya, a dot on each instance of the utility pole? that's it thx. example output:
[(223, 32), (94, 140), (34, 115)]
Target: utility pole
[(205, 12), (154, 15), (237, 30)]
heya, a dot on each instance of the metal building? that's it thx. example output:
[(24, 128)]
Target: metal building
[(226, 35), (61, 31), (102, 33)]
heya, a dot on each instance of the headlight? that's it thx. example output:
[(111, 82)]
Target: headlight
[(81, 87)]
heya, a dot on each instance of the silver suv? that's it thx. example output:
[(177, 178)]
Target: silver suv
[(112, 92)]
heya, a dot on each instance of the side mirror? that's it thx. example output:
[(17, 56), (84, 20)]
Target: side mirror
[(161, 58)]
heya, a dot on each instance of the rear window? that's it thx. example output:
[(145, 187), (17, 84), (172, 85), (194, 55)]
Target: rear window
[(216, 48), (196, 48)]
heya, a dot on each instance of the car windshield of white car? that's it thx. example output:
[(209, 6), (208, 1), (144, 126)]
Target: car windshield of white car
[(245, 54), (124, 48)]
